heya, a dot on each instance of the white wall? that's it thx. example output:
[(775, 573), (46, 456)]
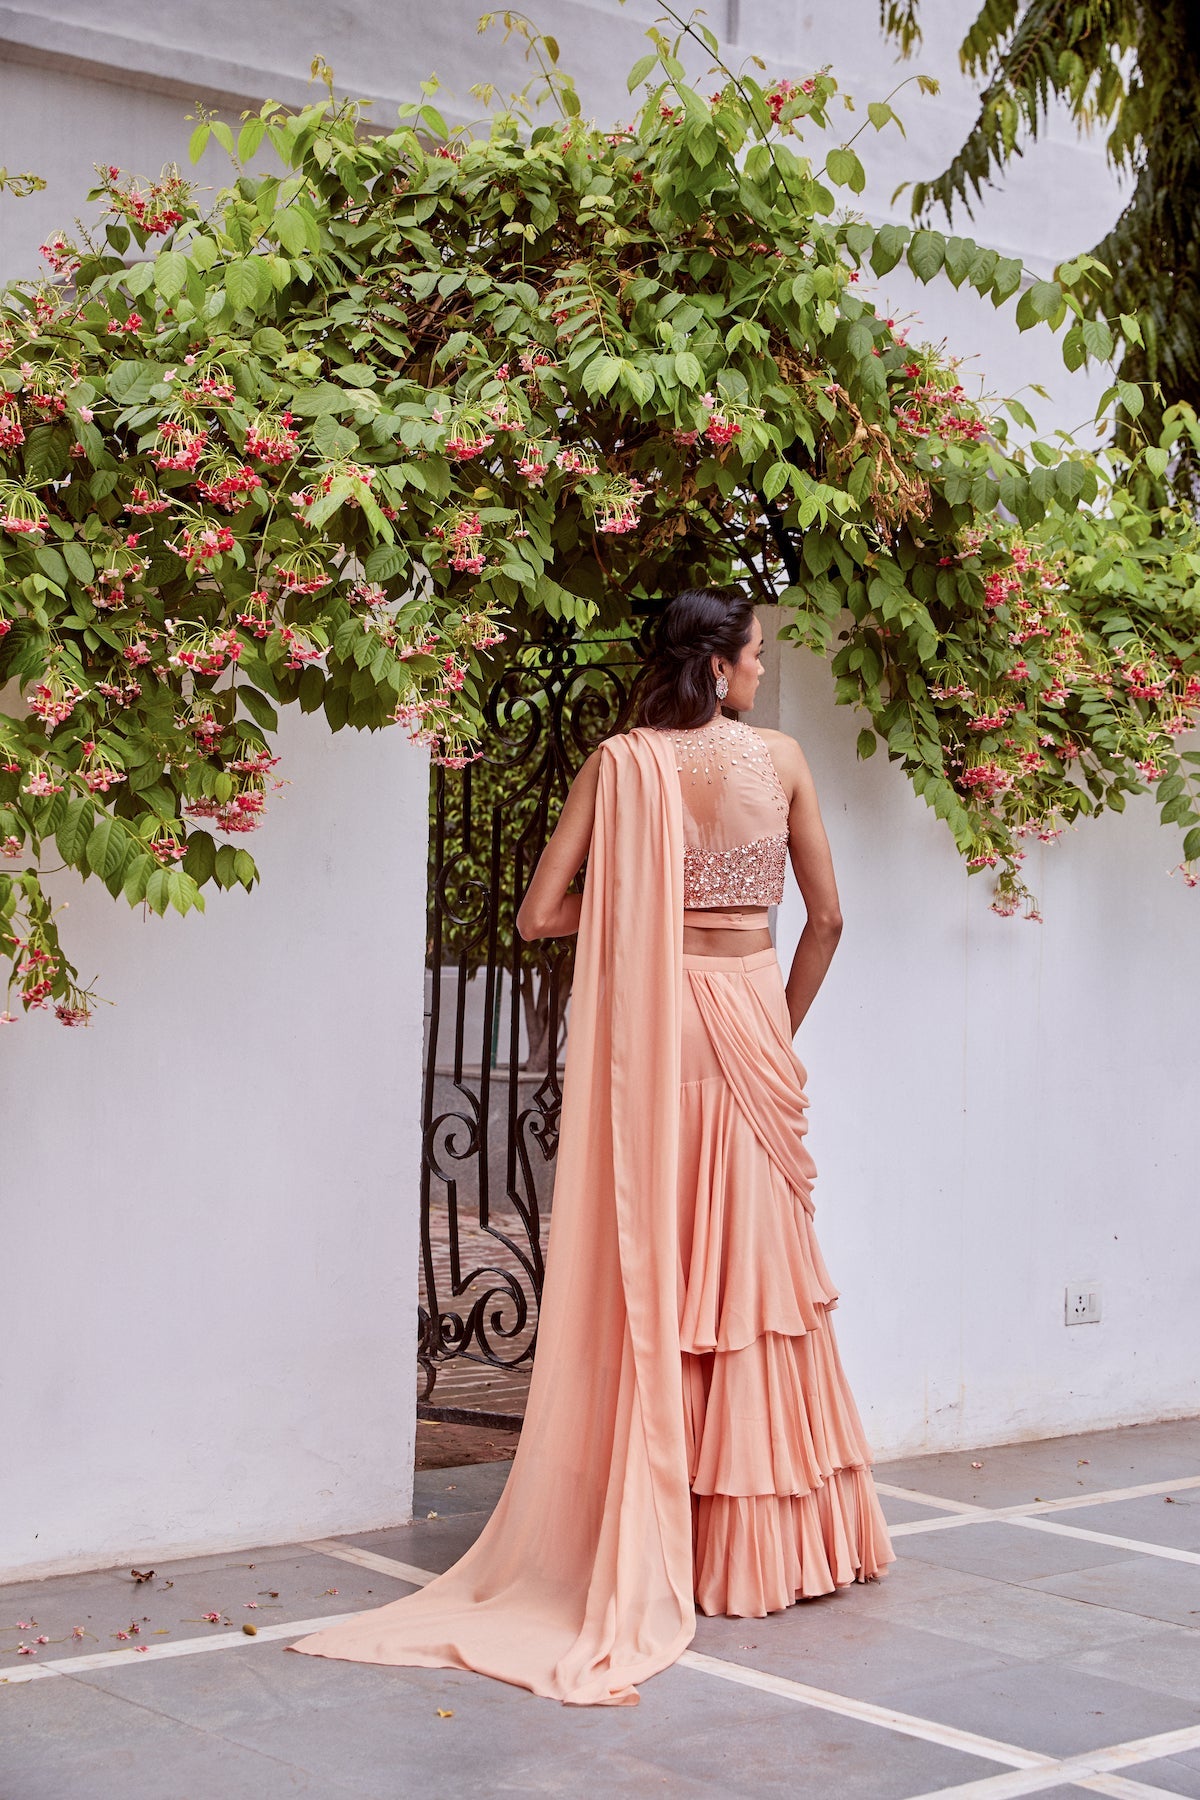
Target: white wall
[(210, 1195), (221, 1353), (999, 1108)]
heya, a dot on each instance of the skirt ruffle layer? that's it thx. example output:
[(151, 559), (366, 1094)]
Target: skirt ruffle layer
[(783, 1504)]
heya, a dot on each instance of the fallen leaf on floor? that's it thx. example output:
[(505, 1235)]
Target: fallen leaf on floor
[(250, 1630), (977, 1465), (444, 1715), (142, 1574), (1082, 1463), (431, 1515), (1167, 1500)]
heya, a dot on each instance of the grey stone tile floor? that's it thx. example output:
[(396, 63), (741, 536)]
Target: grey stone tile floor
[(997, 1658)]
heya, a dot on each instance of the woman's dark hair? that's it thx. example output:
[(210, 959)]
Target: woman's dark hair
[(677, 686)]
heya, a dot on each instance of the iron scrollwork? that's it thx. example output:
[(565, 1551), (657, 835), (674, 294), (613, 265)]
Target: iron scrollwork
[(497, 1009)]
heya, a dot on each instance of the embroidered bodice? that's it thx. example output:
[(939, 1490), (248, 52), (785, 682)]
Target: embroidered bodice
[(735, 817)]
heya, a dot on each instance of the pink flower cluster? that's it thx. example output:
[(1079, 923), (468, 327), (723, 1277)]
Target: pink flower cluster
[(145, 500), (229, 485), (466, 544), (778, 96), (721, 428), (54, 700), (62, 256), (617, 510), (208, 652), (155, 211), (180, 446), (200, 547), (271, 439)]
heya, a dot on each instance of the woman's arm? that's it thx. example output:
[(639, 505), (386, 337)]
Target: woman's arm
[(548, 910), (808, 847)]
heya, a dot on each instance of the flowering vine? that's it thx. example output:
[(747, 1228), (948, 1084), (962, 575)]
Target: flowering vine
[(340, 437)]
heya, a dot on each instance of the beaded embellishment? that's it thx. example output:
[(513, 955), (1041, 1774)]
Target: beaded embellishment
[(745, 875), (749, 874)]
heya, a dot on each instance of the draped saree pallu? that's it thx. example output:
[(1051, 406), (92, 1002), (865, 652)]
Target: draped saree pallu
[(689, 1437)]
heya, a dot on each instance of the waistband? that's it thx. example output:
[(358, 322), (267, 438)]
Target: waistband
[(754, 918), (694, 962)]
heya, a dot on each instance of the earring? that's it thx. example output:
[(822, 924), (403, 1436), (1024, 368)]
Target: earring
[(722, 687)]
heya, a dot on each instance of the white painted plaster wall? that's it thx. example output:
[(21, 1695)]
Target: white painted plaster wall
[(999, 1108), (223, 1354), (209, 1196)]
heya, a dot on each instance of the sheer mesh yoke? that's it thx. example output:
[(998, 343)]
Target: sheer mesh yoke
[(735, 816)]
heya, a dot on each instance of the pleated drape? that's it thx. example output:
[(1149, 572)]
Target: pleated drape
[(581, 1584)]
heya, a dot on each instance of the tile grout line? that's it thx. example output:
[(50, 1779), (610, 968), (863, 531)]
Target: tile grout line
[(1033, 1771), (1087, 1768), (1030, 1515), (1118, 1787), (868, 1712), (1022, 1508), (232, 1640)]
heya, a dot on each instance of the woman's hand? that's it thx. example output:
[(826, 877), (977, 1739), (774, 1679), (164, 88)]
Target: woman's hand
[(548, 910)]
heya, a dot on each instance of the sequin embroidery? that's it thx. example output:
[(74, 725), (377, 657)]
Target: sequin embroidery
[(747, 874)]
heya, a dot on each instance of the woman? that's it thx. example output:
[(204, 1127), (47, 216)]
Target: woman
[(690, 1439)]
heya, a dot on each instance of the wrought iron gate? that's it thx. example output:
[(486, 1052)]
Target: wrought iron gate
[(496, 1013)]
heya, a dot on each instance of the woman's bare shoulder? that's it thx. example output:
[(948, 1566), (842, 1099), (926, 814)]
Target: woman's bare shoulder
[(784, 751)]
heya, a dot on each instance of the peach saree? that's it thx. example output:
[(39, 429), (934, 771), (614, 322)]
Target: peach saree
[(689, 1434)]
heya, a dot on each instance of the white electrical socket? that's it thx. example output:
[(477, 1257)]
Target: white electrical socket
[(1082, 1304)]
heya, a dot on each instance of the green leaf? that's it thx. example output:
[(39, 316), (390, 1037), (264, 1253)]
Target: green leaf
[(289, 227), (688, 369), (1098, 339), (198, 142), (47, 455), (1068, 481), (78, 560), (1006, 279), (247, 283), (76, 828), (880, 114), (157, 894), (776, 479), (108, 847), (170, 273), (259, 707), (843, 166), (867, 744), (1042, 301), (1191, 844), (640, 70), (385, 562), (223, 135), (1156, 460), (139, 278), (201, 857), (250, 137), (926, 254), (131, 383), (1131, 397), (51, 564), (888, 248), (332, 439)]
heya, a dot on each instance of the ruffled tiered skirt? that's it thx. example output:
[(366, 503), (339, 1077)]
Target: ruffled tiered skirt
[(783, 1503)]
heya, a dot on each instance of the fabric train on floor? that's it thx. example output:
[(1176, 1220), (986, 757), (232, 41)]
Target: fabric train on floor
[(689, 1437)]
